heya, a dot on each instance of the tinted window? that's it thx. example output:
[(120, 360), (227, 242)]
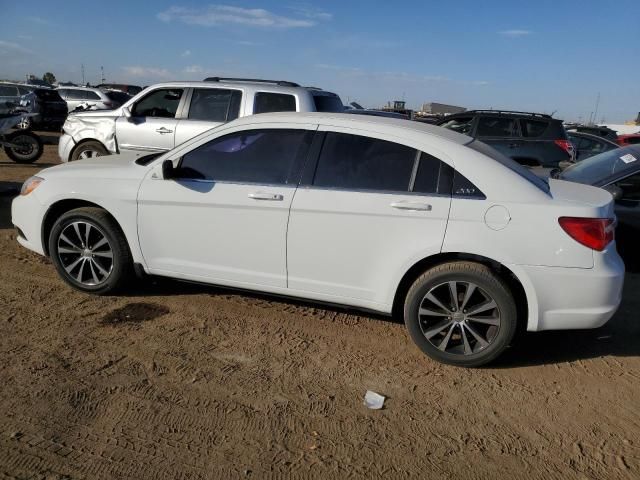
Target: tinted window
[(118, 97), (328, 103), (24, 90), (633, 140), (73, 94), (363, 163), (92, 95), (630, 187), (8, 91), (595, 170), (428, 176), (459, 124), (48, 95), (533, 128), (496, 127), (215, 105), (274, 102), (251, 156), (510, 164), (159, 103)]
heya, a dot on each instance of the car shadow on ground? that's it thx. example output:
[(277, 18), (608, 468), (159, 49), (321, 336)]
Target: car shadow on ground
[(35, 166)]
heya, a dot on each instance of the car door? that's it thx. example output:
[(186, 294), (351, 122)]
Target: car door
[(501, 132), (152, 124), (206, 108), (627, 209), (223, 217), (369, 208)]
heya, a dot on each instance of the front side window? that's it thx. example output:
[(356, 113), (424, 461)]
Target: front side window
[(214, 105), (355, 162), (496, 127), (8, 91), (92, 95), (266, 102), (161, 103), (268, 156)]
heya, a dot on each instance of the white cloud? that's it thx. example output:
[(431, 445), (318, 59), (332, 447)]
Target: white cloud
[(193, 69), (387, 76), (13, 48), (146, 72), (515, 33), (216, 15), (247, 43), (39, 20), (309, 11), (186, 53)]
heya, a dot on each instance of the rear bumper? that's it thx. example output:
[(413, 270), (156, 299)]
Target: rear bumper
[(65, 146), (574, 298)]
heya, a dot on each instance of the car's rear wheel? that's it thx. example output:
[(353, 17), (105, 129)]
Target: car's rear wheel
[(460, 313), (90, 251), (89, 149)]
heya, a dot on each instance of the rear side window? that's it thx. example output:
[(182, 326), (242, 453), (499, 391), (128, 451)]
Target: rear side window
[(497, 127), (355, 162), (73, 94), (92, 95), (8, 91), (215, 105), (328, 103), (268, 156), (24, 90), (161, 103), (533, 128), (266, 102)]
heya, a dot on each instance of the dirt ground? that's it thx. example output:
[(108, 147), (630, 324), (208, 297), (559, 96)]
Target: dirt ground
[(182, 381)]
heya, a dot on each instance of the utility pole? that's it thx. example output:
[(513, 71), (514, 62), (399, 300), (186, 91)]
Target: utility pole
[(82, 69), (102, 71), (595, 112)]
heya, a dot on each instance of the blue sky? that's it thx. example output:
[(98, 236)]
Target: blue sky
[(546, 56)]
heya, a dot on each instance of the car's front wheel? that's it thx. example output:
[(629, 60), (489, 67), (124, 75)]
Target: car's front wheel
[(90, 251), (460, 313), (89, 149)]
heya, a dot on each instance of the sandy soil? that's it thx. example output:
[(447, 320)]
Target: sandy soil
[(182, 381)]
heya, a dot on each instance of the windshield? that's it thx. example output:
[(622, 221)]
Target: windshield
[(597, 169), (328, 103), (510, 164)]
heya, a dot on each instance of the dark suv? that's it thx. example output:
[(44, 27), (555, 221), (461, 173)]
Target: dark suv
[(532, 139), (48, 108)]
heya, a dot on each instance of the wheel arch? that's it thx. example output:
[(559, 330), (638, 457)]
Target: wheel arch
[(512, 281), (60, 208), (85, 140)]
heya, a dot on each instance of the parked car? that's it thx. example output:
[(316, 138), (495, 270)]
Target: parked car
[(121, 87), (168, 114), (369, 212), (617, 171), (600, 131), (48, 109), (587, 145), (630, 139), (10, 94), (92, 98), (377, 113), (531, 139)]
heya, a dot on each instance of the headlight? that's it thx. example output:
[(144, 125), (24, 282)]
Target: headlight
[(30, 185)]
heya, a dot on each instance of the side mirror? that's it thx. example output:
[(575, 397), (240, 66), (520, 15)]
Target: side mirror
[(126, 112), (168, 170), (615, 191)]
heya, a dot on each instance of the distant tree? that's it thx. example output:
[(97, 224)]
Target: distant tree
[(49, 77)]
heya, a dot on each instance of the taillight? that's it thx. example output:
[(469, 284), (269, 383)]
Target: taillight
[(595, 233), (566, 145)]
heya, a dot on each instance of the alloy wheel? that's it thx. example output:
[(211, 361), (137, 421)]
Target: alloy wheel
[(459, 318), (88, 154), (85, 253)]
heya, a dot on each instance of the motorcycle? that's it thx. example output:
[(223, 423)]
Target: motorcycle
[(21, 146)]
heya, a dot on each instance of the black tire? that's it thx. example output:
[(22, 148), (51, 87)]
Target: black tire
[(31, 147), (121, 267), (461, 347), (92, 148)]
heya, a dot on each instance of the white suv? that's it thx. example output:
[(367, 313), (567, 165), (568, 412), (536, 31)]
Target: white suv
[(168, 114), (375, 213)]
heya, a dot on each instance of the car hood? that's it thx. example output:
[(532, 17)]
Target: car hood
[(106, 167), (579, 193)]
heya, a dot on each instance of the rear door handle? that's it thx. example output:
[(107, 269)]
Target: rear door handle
[(415, 206), (162, 130), (266, 196)]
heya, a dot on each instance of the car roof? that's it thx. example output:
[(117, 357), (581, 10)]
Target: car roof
[(506, 113), (258, 86), (355, 121)]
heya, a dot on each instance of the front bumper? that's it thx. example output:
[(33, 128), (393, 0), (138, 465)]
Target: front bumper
[(26, 215), (65, 146), (574, 298)]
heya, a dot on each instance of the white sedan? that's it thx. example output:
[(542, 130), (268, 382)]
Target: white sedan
[(380, 214)]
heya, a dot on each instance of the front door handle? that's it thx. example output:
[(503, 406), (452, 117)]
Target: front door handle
[(162, 130), (414, 206), (266, 196)]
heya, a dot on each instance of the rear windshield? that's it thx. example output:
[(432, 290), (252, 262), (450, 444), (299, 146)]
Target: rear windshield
[(598, 169), (510, 164), (48, 95), (328, 103)]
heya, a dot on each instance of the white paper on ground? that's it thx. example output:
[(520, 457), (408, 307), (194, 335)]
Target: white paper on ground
[(373, 400)]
